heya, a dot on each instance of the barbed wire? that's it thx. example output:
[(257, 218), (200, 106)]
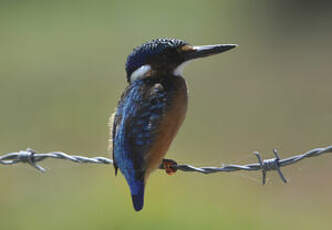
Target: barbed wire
[(273, 164)]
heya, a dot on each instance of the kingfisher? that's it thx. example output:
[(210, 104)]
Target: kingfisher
[(152, 108)]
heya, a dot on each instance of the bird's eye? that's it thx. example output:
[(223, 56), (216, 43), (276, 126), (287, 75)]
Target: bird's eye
[(171, 52)]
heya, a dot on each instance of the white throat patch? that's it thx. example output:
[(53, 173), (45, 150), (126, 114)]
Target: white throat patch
[(140, 73), (179, 69)]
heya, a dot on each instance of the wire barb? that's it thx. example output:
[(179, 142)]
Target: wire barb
[(270, 164), (274, 164), (27, 156)]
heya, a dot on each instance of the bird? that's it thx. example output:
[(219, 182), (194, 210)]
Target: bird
[(152, 108)]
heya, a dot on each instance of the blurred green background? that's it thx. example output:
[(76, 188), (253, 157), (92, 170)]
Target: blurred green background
[(62, 72)]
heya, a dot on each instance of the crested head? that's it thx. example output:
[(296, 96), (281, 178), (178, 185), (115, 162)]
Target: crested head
[(158, 53), (165, 57)]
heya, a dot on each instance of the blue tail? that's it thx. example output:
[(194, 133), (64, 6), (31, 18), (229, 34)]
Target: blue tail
[(137, 194)]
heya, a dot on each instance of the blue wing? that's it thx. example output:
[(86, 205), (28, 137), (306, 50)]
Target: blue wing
[(135, 126)]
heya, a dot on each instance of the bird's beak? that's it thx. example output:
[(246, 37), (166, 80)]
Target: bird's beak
[(203, 51)]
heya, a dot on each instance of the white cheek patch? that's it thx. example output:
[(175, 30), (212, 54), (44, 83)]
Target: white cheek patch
[(140, 73), (179, 69)]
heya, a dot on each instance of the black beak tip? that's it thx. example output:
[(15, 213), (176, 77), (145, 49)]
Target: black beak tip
[(225, 47)]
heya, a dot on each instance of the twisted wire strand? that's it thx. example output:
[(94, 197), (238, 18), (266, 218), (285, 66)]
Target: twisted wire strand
[(274, 164)]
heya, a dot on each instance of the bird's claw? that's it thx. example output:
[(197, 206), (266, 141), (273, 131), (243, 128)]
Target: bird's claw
[(168, 165)]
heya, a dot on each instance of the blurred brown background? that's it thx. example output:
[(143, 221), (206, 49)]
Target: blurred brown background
[(62, 72)]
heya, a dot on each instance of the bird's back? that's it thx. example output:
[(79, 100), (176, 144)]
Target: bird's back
[(147, 119)]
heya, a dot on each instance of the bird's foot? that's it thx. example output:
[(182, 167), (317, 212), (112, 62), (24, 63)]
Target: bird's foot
[(169, 166)]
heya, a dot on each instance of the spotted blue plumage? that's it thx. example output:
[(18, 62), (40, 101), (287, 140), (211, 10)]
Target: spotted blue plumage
[(139, 112)]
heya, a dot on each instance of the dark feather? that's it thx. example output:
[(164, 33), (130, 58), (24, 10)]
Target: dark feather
[(139, 112), (116, 119)]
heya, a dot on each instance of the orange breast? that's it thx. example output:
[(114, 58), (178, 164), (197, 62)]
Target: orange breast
[(169, 126)]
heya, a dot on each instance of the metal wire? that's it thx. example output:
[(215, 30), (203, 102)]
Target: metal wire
[(274, 164)]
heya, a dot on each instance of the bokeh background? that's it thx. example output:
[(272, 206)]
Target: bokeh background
[(62, 72)]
